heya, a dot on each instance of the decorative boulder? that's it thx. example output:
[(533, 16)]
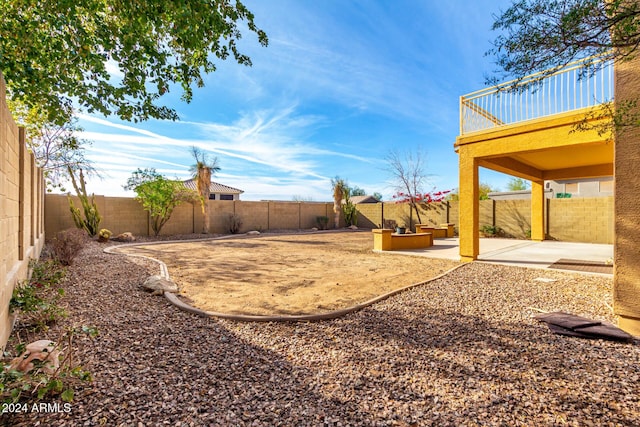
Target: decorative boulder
[(253, 233), (43, 350), (353, 227), (124, 237), (159, 285)]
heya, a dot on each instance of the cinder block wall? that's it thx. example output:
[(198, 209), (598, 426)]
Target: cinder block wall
[(513, 217), (254, 216), (486, 213), (21, 210), (581, 219), (370, 215), (121, 214), (575, 220), (284, 215)]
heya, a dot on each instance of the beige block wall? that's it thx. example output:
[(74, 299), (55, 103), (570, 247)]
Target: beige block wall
[(454, 214), (486, 213), (219, 212), (57, 215), (122, 214), (370, 215), (254, 215), (435, 214), (400, 213), (21, 211), (284, 215), (513, 217), (576, 220), (181, 221), (309, 212), (581, 220)]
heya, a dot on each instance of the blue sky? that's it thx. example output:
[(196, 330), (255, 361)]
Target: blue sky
[(340, 85)]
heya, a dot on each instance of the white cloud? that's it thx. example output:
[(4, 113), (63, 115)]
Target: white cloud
[(262, 141)]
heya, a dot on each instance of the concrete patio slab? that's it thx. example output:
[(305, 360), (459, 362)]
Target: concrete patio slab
[(523, 253)]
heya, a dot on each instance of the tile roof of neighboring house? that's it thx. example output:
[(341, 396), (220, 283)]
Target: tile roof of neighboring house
[(215, 187), (363, 199)]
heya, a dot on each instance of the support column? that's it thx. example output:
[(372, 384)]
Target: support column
[(469, 207), (626, 273), (537, 210)]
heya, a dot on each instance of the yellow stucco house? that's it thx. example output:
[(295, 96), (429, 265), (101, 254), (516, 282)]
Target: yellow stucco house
[(530, 132)]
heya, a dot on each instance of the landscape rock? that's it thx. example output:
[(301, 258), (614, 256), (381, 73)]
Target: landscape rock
[(253, 233), (159, 285), (353, 227), (460, 350), (124, 237)]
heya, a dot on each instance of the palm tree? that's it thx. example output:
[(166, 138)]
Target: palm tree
[(339, 185), (202, 171)]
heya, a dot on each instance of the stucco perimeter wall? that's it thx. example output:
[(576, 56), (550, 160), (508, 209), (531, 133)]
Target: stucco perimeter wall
[(21, 211), (626, 278)]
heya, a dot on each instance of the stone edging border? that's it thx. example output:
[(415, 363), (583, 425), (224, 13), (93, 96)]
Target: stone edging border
[(173, 299)]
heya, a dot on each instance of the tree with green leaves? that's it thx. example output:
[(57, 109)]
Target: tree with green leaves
[(544, 36), (202, 171), (483, 192), (517, 184), (116, 57), (484, 189), (357, 191), (158, 195)]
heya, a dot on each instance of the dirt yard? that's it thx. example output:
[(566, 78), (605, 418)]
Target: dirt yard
[(286, 274)]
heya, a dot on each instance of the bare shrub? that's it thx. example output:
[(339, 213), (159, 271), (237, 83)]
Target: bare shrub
[(67, 244), (235, 223)]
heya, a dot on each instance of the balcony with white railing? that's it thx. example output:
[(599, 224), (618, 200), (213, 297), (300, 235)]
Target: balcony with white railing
[(580, 85)]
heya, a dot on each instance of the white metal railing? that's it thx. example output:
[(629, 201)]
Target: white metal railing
[(571, 88)]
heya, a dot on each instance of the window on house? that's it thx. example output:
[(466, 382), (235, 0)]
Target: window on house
[(226, 197), (606, 186), (571, 187), (212, 196)]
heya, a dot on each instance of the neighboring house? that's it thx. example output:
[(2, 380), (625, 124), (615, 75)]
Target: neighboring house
[(217, 191), (363, 199), (568, 188), (594, 187)]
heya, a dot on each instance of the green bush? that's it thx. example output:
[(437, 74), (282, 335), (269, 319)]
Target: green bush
[(490, 230), (323, 222), (37, 300), (23, 387)]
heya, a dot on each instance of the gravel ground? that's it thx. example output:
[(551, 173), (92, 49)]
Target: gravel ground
[(461, 350)]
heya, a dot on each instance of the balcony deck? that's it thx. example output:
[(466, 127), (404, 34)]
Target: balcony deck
[(528, 129)]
